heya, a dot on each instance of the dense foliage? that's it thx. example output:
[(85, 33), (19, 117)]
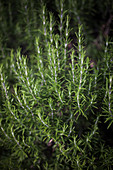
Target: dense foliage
[(56, 102)]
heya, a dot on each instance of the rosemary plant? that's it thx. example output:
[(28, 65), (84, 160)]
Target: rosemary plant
[(50, 117)]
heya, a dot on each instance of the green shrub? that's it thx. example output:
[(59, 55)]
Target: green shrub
[(53, 116)]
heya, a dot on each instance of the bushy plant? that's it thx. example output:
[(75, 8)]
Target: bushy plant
[(52, 117)]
